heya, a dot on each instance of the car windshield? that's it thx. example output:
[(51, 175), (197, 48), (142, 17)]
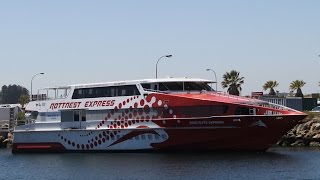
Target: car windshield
[(316, 108)]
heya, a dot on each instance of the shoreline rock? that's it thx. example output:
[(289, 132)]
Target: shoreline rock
[(305, 134), (6, 141)]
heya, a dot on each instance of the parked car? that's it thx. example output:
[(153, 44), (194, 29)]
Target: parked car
[(316, 109)]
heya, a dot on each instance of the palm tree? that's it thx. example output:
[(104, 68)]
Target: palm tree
[(233, 82), (270, 85), (24, 99), (297, 85)]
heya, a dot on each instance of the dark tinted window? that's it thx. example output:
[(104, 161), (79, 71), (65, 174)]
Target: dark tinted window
[(242, 111), (179, 86), (196, 86), (112, 91), (146, 86), (162, 87), (174, 86)]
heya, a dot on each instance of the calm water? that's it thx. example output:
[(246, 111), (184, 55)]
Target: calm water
[(277, 163)]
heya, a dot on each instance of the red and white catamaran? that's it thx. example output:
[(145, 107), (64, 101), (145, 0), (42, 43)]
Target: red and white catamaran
[(153, 114)]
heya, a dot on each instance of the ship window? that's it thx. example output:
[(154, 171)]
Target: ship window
[(157, 137), (90, 91), (66, 116), (196, 86), (162, 87), (174, 86), (242, 111), (143, 137), (149, 136), (76, 116), (184, 86), (111, 91), (137, 137), (146, 86)]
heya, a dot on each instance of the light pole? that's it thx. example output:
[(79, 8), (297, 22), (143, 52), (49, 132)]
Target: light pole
[(167, 56), (216, 78), (31, 84)]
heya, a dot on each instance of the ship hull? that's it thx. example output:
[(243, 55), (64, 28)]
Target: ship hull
[(242, 133)]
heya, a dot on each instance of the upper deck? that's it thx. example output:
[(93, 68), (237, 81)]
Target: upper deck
[(122, 88)]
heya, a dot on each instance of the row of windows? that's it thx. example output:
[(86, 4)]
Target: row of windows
[(179, 86), (111, 91)]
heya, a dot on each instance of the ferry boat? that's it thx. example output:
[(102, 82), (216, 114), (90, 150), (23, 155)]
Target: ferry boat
[(182, 114)]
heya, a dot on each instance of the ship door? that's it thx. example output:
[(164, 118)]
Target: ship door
[(80, 118)]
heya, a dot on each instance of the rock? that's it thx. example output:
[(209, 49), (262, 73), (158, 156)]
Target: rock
[(10, 136), (1, 141), (290, 134), (310, 134), (298, 143), (305, 134), (317, 136), (306, 141), (301, 134), (315, 144), (316, 120), (299, 128), (315, 126)]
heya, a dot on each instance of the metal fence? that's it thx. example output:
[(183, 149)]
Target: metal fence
[(297, 103)]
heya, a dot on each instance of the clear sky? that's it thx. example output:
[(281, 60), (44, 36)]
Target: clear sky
[(81, 41)]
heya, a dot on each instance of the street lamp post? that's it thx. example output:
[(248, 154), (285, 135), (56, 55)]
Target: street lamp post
[(167, 56), (215, 77), (31, 84)]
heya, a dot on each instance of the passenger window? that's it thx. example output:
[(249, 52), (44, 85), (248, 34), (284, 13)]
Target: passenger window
[(143, 137), (112, 91)]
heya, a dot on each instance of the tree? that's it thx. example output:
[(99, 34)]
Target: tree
[(270, 85), (11, 94), (4, 90), (297, 85), (233, 82), (24, 99)]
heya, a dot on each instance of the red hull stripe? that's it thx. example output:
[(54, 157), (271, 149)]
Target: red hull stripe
[(38, 147), (33, 147)]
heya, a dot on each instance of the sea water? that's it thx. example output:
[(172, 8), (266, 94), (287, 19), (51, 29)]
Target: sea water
[(276, 163)]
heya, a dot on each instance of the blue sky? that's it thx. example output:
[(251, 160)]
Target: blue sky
[(79, 41)]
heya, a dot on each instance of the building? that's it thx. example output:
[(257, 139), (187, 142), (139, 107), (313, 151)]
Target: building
[(8, 116)]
